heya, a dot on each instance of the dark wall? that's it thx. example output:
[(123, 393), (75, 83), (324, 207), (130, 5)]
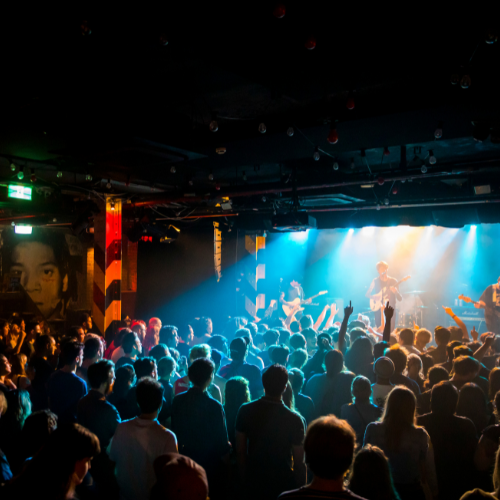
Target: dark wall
[(177, 282)]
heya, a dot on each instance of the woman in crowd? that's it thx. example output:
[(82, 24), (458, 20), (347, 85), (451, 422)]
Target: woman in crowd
[(18, 374), (494, 379), (415, 370), (36, 431), (124, 381), (152, 335), (236, 394), (405, 445), (371, 476), (473, 405), (359, 358)]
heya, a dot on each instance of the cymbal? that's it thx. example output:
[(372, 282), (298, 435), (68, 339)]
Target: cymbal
[(414, 292)]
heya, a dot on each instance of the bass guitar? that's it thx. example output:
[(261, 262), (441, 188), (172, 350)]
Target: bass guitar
[(487, 310), (379, 299), (288, 306)]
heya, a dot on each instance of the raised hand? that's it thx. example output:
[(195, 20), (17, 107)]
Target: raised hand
[(348, 310), (474, 334), (388, 312), (448, 310), (489, 339), (333, 309)]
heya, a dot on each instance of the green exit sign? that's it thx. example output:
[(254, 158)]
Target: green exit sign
[(20, 192)]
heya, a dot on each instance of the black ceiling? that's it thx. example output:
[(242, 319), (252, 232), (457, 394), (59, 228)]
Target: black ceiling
[(93, 90)]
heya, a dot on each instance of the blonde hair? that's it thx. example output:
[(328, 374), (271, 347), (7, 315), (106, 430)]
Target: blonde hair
[(200, 351)]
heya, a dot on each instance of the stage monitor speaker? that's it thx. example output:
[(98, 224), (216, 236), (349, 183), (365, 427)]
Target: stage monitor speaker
[(470, 316)]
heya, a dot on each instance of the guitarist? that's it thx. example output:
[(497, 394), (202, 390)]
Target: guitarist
[(490, 302), (293, 292), (390, 291)]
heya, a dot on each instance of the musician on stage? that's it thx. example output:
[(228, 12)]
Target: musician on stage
[(490, 302), (390, 291), (293, 292)]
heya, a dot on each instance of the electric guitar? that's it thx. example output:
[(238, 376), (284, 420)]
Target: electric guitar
[(287, 308), (380, 298), (486, 308)]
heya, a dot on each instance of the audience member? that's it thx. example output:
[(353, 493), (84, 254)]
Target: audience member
[(472, 404), (138, 442), (236, 394), (384, 370), (422, 338), (158, 352), (5, 370), (91, 354), (303, 404), (359, 358), (18, 375), (124, 381), (169, 336), (436, 374), (298, 359), (399, 358), (415, 372), (152, 337), (36, 432), (442, 338), (132, 349)]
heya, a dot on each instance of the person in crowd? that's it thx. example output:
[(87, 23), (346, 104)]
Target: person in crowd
[(202, 330), (400, 359), (64, 387), (407, 340), (454, 441), (42, 369), (132, 349), (124, 381), (33, 331), (384, 370), (220, 343), (472, 404), (422, 338), (268, 437), (436, 374), (218, 381), (298, 359), (311, 337), (405, 444), (329, 450), (271, 338), (159, 351), (139, 441), (18, 375), (199, 422), (169, 336), (59, 467), (5, 370), (166, 369), (359, 358), (361, 412), (77, 334), (11, 425), (237, 393), (183, 384), (114, 348), (138, 326), (36, 432), (92, 352), (240, 367), (99, 416), (254, 355), (415, 370), (258, 340), (298, 341), (303, 404), (465, 370), (314, 365), (280, 354), (179, 478), (152, 335), (16, 336), (442, 337), (331, 390), (494, 383), (294, 327), (186, 336), (5, 471), (371, 475), (86, 322)]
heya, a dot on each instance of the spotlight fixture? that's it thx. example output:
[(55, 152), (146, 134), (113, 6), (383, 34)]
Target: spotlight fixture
[(491, 38), (335, 165), (88, 177), (423, 169), (480, 132), (12, 167), (310, 43), (432, 158), (264, 199), (112, 205), (59, 174), (350, 102), (386, 151), (386, 201), (316, 154), (333, 136), (279, 11), (173, 169), (210, 176), (465, 82), (33, 175), (438, 133), (108, 184), (221, 150), (454, 79), (262, 128), (290, 132), (20, 174), (214, 126)]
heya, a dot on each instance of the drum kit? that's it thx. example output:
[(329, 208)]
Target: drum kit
[(411, 309)]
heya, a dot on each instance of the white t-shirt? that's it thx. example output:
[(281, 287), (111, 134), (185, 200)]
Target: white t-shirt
[(117, 354), (379, 393), (135, 446)]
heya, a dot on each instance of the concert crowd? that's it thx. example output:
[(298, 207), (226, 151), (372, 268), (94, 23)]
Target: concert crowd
[(295, 408)]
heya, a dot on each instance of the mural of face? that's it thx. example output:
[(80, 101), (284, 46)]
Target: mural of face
[(40, 275)]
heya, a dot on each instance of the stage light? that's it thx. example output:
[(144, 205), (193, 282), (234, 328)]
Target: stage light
[(350, 103), (214, 126), (88, 177), (432, 158), (438, 133), (368, 230), (473, 227), (173, 170), (108, 184), (262, 128), (19, 192), (290, 132), (333, 136), (210, 176), (59, 174), (454, 79), (316, 154), (33, 175), (465, 82), (279, 11), (20, 174), (335, 166), (423, 169), (310, 43), (12, 167), (23, 229), (351, 230), (112, 205)]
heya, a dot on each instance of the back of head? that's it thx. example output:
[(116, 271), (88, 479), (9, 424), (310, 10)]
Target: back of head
[(159, 351), (371, 473), (243, 332), (200, 351), (201, 371), (398, 357), (218, 342), (477, 494), (36, 431), (125, 378), (166, 366), (238, 349), (455, 333), (128, 342), (494, 380), (91, 348), (406, 336), (253, 328), (149, 395), (361, 388), (451, 347), (462, 350), (442, 335), (70, 351), (466, 366), (284, 336), (306, 322), (297, 341), (280, 355), (423, 335), (334, 362), (357, 333), (295, 327), (236, 393), (471, 400), (444, 399), (98, 373), (379, 349), (399, 415), (144, 367), (274, 380), (427, 363), (308, 333), (296, 378), (167, 335), (42, 343), (298, 358), (438, 374), (329, 447), (271, 337)]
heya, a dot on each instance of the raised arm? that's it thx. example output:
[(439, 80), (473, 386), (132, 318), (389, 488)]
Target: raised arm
[(333, 312), (459, 322), (369, 291), (291, 316), (343, 327), (321, 318), (388, 313), (488, 342)]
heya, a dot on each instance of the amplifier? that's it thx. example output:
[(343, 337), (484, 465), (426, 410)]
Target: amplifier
[(470, 316)]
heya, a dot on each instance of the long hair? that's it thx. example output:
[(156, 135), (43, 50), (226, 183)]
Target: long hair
[(150, 341), (472, 404), (359, 357), (236, 393), (50, 473), (288, 397), (371, 475), (399, 415)]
